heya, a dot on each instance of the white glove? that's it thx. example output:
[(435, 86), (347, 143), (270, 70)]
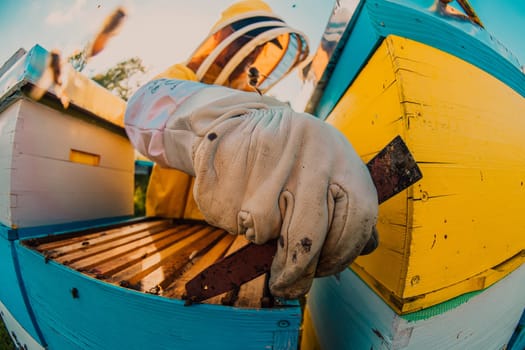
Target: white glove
[(264, 171)]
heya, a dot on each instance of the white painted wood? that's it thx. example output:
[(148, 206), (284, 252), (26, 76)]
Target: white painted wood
[(347, 314), (23, 338), (8, 119), (39, 185), (50, 191), (50, 133)]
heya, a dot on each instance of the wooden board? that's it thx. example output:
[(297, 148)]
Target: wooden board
[(344, 313), (456, 229), (76, 310), (58, 168), (153, 256)]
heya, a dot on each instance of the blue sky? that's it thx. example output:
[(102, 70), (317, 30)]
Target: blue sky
[(163, 32)]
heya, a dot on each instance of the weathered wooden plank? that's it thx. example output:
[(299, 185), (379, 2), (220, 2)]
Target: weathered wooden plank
[(171, 267), (133, 273), (109, 262), (156, 257), (61, 244), (177, 288), (251, 293), (135, 240)]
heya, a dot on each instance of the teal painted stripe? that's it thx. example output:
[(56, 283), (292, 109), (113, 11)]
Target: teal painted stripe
[(440, 308), (412, 19), (28, 68)]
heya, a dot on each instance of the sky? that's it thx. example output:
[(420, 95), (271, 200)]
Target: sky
[(160, 32), (164, 32)]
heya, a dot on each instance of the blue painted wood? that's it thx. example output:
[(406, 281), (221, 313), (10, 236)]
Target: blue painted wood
[(413, 19), (344, 318), (104, 316), (360, 45), (7, 232), (517, 342), (28, 68), (12, 292), (39, 231)]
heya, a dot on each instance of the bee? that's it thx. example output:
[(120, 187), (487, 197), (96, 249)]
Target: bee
[(111, 26), (253, 78)]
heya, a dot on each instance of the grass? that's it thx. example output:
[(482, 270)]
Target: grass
[(5, 340)]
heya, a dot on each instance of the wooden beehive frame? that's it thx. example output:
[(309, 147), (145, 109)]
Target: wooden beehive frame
[(152, 256)]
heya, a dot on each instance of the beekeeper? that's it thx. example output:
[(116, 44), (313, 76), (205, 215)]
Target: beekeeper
[(247, 36), (247, 163), (263, 171)]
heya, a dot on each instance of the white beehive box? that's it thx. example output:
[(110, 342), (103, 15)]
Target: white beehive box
[(343, 312), (61, 165)]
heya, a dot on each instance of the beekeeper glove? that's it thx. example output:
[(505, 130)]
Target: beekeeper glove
[(264, 171)]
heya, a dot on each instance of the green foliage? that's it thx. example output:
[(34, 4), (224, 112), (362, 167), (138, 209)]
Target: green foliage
[(139, 200), (78, 60), (5, 340), (122, 78), (139, 197)]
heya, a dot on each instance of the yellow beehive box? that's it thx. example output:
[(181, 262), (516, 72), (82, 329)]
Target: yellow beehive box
[(461, 227)]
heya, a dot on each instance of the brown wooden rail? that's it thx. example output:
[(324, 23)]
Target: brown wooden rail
[(152, 256)]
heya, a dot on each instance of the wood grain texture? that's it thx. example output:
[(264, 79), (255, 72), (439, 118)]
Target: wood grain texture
[(480, 320), (452, 230), (153, 256), (102, 315), (41, 185)]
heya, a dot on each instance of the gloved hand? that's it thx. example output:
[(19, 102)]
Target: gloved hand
[(264, 171)]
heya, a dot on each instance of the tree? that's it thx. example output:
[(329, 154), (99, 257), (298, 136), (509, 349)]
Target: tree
[(78, 60), (122, 78)]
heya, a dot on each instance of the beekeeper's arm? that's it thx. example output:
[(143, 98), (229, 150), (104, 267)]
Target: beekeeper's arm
[(169, 192), (263, 171)]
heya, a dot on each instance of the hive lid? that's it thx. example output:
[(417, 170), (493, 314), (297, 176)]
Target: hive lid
[(26, 69)]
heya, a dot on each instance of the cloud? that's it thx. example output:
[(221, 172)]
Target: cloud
[(63, 16)]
